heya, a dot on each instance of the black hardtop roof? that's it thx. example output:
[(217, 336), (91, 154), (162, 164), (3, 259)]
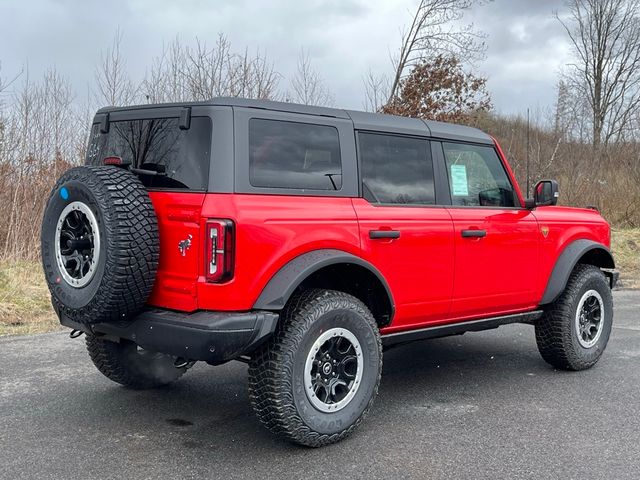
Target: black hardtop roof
[(361, 120)]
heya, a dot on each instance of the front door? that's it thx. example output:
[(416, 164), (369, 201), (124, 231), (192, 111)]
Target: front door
[(402, 230), (496, 241)]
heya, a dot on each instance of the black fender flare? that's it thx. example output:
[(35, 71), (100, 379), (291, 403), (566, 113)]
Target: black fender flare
[(568, 259), (279, 289)]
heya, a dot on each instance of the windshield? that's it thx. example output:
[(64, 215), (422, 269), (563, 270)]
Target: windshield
[(158, 151)]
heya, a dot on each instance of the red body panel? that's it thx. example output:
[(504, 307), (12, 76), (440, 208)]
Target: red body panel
[(179, 219), (564, 225), (435, 275), (418, 266), (496, 274)]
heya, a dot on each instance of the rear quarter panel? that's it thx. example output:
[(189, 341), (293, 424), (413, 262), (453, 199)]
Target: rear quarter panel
[(271, 230)]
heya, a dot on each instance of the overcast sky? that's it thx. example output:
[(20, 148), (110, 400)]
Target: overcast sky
[(344, 38)]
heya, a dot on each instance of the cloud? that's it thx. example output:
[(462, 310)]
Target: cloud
[(526, 49), (345, 38)]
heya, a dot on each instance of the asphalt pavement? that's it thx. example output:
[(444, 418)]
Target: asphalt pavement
[(481, 405)]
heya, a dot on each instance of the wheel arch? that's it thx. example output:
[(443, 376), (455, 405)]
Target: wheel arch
[(330, 269), (577, 252)]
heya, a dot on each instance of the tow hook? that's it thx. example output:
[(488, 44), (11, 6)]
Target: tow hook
[(75, 333), (183, 363)]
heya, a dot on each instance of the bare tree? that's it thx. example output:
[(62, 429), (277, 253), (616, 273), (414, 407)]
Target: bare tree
[(435, 31), (42, 130), (164, 82), (605, 35), (307, 86), (376, 88), (114, 86), (217, 71)]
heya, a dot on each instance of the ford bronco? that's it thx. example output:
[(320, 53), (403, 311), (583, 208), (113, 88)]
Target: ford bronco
[(303, 241)]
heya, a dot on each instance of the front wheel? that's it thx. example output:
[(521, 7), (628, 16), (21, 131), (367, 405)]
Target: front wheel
[(316, 379), (575, 329)]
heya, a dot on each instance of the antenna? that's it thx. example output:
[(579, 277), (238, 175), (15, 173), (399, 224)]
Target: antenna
[(527, 154)]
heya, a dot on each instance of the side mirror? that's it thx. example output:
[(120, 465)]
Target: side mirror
[(544, 193)]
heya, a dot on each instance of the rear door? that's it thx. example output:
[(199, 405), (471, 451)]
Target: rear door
[(172, 161), (402, 230), (496, 240)]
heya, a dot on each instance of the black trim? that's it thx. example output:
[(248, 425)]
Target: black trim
[(104, 123), (473, 233), (213, 337), (459, 328), (377, 234), (443, 192), (185, 119), (276, 293), (567, 261)]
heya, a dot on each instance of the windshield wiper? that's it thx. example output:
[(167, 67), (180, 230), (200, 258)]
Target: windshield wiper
[(144, 171), (330, 175)]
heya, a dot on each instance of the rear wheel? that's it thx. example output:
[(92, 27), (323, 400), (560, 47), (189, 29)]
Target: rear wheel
[(575, 329), (127, 364), (316, 379)]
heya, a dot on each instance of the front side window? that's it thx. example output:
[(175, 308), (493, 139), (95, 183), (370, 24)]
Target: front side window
[(396, 170), (294, 155), (159, 152), (477, 177)]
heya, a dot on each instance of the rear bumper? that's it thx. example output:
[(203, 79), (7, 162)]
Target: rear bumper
[(213, 337)]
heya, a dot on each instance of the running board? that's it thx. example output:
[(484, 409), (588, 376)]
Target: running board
[(459, 328)]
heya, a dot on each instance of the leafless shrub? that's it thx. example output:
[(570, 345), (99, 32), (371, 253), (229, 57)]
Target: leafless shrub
[(43, 132), (113, 84), (200, 72), (307, 85)]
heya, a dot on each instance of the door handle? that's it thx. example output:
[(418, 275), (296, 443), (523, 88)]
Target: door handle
[(474, 233), (377, 234)]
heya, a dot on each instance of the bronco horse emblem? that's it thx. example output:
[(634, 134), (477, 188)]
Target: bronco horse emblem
[(184, 245)]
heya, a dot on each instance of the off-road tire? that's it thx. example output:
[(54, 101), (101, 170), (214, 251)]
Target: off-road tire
[(128, 249), (556, 333), (276, 386), (126, 364)]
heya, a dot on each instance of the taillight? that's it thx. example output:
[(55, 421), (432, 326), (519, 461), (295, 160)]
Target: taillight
[(219, 253), (112, 161)]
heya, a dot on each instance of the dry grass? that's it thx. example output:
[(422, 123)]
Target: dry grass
[(25, 305), (625, 245)]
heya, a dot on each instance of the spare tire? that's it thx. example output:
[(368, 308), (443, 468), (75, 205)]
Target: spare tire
[(99, 245)]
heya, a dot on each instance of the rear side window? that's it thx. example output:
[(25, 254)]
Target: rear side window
[(160, 153), (396, 170), (294, 155), (477, 177)]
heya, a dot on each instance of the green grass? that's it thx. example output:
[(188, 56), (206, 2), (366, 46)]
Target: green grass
[(25, 306)]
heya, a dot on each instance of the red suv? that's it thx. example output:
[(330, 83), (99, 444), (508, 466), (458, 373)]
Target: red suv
[(302, 241)]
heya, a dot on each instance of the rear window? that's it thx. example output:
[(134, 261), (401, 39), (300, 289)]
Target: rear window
[(294, 155), (160, 153)]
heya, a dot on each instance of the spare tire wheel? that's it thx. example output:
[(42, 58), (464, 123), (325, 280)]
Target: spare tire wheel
[(99, 244)]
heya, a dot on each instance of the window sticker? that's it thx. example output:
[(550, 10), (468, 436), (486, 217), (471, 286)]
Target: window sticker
[(459, 185)]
